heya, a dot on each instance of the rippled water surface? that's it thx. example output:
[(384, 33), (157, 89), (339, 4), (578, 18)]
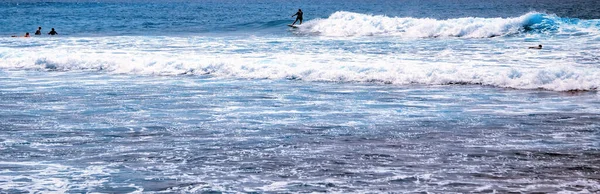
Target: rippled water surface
[(106, 133), (364, 97)]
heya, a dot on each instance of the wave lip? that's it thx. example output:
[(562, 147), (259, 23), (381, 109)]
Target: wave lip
[(349, 24)]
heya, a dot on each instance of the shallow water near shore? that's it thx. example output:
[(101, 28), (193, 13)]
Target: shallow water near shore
[(121, 133)]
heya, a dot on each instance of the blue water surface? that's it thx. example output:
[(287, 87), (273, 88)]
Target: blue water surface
[(383, 96), (180, 17)]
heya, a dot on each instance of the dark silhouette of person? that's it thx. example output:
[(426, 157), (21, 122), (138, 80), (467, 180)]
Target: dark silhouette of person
[(52, 32), (298, 17), (536, 47), (39, 31), (26, 35)]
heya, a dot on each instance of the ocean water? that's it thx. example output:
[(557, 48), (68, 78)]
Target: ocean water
[(364, 97)]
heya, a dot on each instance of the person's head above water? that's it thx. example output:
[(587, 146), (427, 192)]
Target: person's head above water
[(39, 28), (536, 47)]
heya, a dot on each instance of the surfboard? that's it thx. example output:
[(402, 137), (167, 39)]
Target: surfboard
[(290, 25)]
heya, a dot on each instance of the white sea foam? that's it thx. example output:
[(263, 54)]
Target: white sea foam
[(344, 24), (53, 178), (562, 66)]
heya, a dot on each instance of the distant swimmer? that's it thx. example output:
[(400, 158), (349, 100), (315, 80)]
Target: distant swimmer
[(26, 35), (39, 31), (536, 47), (298, 17), (52, 32)]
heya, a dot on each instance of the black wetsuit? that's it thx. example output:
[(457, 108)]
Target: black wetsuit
[(298, 17), (38, 32), (53, 32)]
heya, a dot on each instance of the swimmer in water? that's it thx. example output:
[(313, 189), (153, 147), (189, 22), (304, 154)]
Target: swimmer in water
[(26, 35), (52, 32), (39, 31), (536, 47)]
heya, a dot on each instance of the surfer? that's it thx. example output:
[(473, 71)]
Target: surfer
[(39, 31), (298, 17), (536, 47), (52, 32)]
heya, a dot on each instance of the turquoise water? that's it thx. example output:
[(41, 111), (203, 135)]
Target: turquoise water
[(378, 96)]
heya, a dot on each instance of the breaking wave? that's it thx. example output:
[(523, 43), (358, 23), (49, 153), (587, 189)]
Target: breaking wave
[(348, 24), (557, 78)]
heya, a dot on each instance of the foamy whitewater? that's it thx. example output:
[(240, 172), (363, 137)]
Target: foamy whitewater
[(201, 96), (348, 47)]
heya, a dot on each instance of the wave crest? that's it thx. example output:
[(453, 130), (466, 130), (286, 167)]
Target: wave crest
[(348, 24), (559, 78)]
